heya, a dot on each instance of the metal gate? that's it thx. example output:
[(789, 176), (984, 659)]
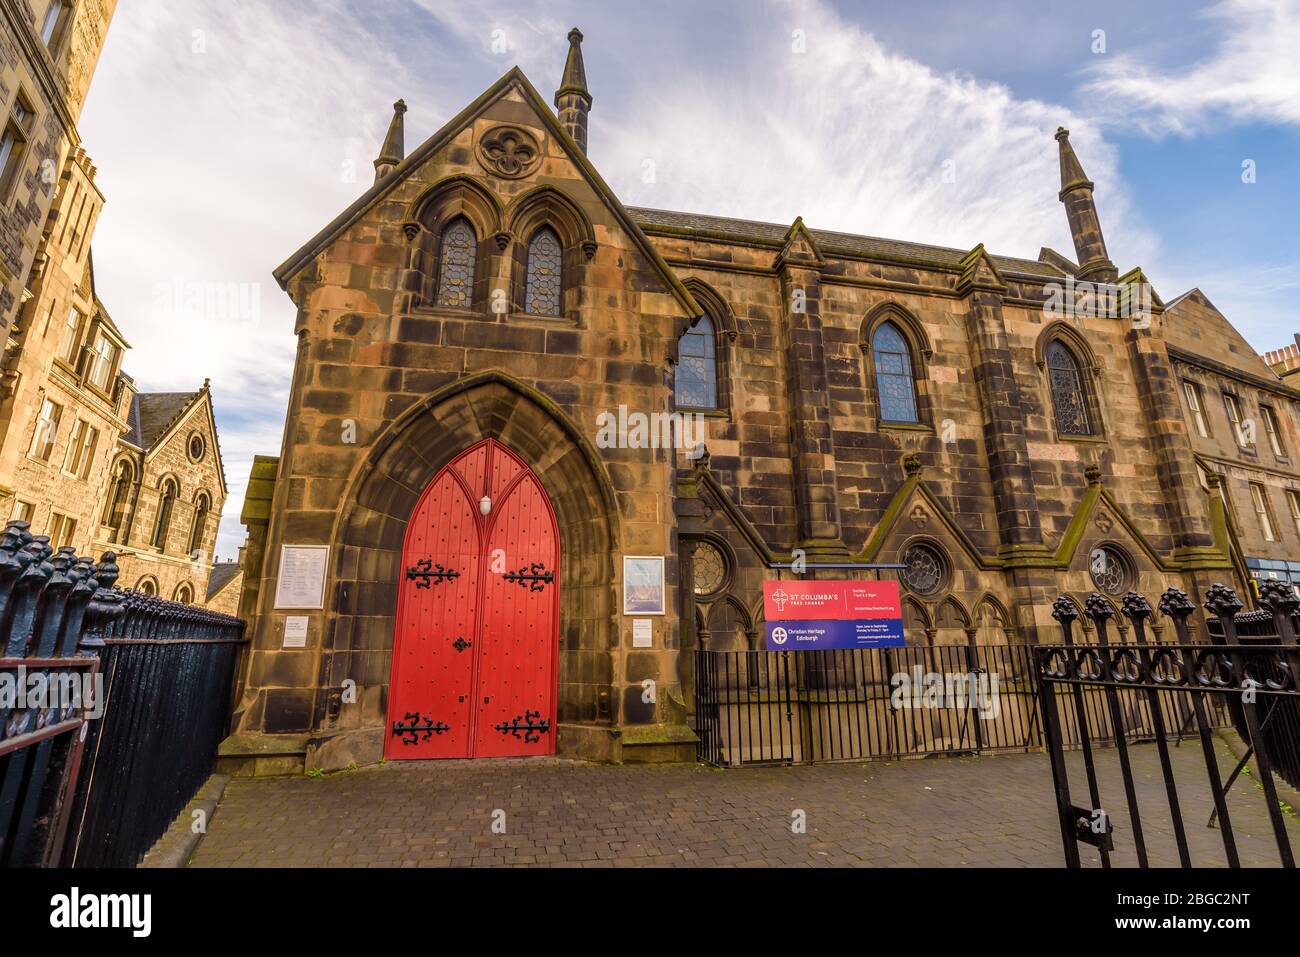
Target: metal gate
[(1184, 684), (801, 707), (476, 643)]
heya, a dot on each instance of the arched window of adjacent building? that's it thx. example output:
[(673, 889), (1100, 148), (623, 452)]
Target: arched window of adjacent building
[(457, 252), (202, 506), (543, 290), (895, 380), (696, 382), (184, 593), (115, 510), (1069, 391), (147, 586), (166, 499)]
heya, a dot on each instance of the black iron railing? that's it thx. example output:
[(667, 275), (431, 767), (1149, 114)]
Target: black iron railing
[(773, 707), (799, 707), (1254, 682), (116, 705)]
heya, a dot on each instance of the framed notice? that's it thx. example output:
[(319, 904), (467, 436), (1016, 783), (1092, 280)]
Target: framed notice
[(815, 615), (295, 632), (642, 633), (300, 582), (643, 584)]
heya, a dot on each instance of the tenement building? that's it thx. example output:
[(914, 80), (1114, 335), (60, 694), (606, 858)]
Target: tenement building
[(516, 400), (48, 53), (85, 457)]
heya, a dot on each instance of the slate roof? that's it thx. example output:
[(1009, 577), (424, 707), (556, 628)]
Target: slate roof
[(829, 242), (153, 412), (222, 574)]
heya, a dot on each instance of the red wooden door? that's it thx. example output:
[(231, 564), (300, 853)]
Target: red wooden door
[(476, 643)]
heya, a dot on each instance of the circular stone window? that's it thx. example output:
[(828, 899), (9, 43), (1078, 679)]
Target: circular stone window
[(1110, 570), (925, 569), (709, 569), (197, 447)]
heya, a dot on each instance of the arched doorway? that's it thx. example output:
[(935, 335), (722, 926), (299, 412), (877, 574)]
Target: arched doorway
[(476, 642)]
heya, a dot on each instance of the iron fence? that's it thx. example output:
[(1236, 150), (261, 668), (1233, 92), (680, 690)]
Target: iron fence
[(796, 707), (111, 706), (1252, 682)]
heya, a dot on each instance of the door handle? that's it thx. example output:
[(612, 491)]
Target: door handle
[(460, 644)]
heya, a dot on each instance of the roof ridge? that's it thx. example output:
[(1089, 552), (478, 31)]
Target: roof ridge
[(734, 221)]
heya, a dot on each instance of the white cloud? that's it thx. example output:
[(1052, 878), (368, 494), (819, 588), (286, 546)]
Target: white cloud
[(1251, 76), (222, 133), (218, 164)]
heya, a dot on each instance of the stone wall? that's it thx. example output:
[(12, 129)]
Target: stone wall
[(178, 566), (53, 84)]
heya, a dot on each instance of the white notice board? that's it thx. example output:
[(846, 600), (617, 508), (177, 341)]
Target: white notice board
[(300, 582)]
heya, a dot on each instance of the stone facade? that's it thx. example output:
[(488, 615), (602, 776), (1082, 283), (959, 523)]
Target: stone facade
[(61, 387), (163, 504), (1252, 462), (225, 586), (43, 84), (84, 456), (1033, 444)]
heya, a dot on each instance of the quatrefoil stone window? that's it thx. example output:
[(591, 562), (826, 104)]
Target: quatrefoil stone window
[(509, 151)]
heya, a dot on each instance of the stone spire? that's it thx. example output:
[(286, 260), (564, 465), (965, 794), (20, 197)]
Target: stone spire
[(1085, 227), (572, 99), (394, 149)]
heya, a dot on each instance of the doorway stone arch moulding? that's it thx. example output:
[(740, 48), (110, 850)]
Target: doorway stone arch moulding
[(365, 564)]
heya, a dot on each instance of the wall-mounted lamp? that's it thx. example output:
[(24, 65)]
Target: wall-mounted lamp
[(484, 506)]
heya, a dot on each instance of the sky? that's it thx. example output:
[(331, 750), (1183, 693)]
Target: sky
[(228, 132)]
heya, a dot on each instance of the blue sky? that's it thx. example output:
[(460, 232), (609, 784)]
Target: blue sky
[(227, 133)]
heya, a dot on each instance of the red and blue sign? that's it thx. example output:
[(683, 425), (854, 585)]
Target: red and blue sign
[(816, 615)]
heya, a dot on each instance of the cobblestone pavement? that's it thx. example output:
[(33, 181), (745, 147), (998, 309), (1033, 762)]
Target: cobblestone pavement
[(939, 812)]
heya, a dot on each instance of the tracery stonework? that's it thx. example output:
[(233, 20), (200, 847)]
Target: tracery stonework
[(509, 151)]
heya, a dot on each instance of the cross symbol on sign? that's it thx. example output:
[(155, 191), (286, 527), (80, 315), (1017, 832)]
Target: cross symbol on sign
[(779, 598)]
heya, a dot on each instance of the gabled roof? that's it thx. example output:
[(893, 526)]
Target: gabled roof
[(223, 573), (514, 77), (152, 415), (155, 415), (1194, 326), (830, 243)]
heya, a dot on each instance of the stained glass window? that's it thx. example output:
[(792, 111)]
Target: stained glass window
[(1069, 401), (457, 252), (1109, 570), (925, 569), (709, 567), (696, 384), (542, 291), (894, 383)]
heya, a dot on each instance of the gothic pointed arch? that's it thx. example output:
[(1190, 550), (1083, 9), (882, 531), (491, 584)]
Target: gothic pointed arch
[(452, 228), (458, 195), (199, 521), (896, 351), (553, 240), (916, 614), (169, 490), (728, 626), (122, 477), (546, 205), (1072, 379), (369, 530), (711, 301), (952, 622), (1059, 329), (1100, 515), (993, 621)]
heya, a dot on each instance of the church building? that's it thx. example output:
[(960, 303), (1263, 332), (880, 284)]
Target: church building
[(541, 446)]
